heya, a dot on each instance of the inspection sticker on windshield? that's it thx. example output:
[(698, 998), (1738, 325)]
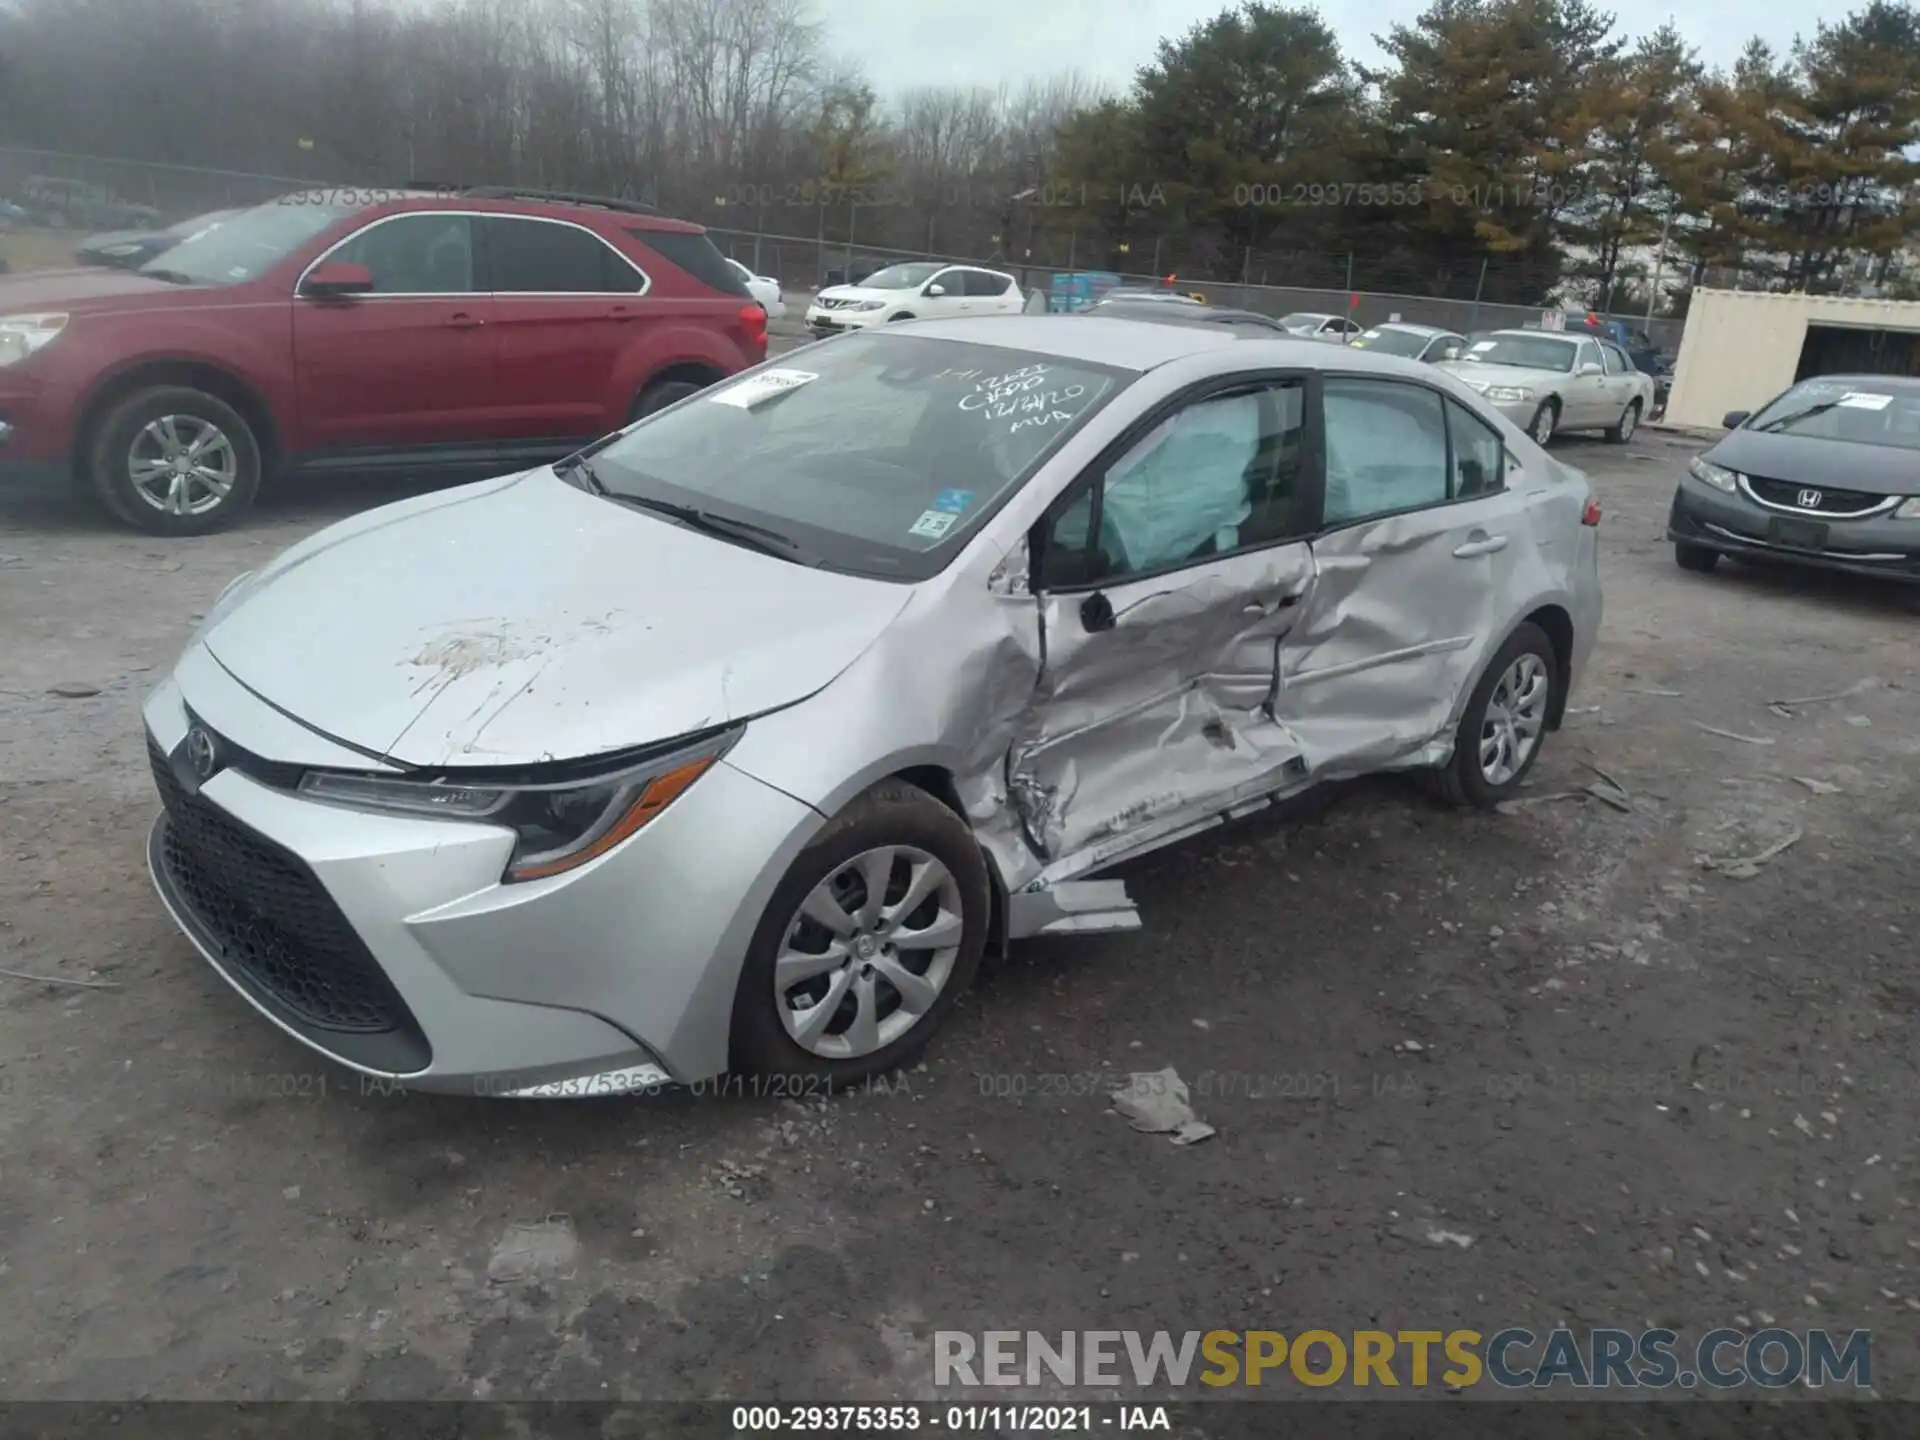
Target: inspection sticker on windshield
[(1481, 347), (757, 389), (932, 524), (1865, 400), (953, 500)]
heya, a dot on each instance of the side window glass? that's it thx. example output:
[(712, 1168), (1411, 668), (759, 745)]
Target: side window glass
[(953, 282), (415, 255), (1386, 449), (1588, 354), (1477, 454), (1186, 490), (541, 258), (1615, 362)]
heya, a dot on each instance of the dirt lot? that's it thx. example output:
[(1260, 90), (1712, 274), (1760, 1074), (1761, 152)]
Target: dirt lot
[(1644, 1091)]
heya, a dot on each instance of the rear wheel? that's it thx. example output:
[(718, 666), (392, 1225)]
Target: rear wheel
[(1505, 722), (1695, 557), (1628, 422), (867, 944), (661, 394), (175, 461)]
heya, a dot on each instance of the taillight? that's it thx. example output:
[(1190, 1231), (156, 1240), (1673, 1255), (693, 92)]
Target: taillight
[(1591, 515), (755, 319)]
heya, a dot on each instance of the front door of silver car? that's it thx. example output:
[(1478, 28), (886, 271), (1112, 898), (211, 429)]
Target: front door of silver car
[(1167, 576), (1417, 557)]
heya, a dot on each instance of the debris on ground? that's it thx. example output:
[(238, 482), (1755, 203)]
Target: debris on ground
[(525, 1253), (1154, 1102), (1611, 792), (1859, 722), (1734, 734), (733, 1177), (1745, 867), (73, 690), (1858, 686), (1818, 787), (1666, 694), (60, 980), (1514, 807), (1437, 1236)]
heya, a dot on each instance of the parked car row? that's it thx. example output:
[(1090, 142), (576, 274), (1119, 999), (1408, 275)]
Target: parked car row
[(920, 290), (130, 249), (62, 204), (485, 332)]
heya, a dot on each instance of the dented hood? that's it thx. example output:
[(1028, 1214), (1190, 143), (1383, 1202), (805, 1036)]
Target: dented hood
[(515, 623)]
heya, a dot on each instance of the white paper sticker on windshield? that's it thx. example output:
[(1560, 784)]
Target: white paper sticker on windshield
[(756, 389), (932, 524), (1480, 347), (1865, 400)]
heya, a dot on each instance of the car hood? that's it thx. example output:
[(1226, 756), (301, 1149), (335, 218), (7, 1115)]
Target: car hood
[(80, 287), (521, 621), (1479, 376), (861, 292), (1820, 464)]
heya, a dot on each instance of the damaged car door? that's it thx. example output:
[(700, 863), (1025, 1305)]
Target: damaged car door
[(1166, 575), (1414, 563)]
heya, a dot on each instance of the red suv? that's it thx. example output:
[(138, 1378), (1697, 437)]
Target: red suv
[(473, 331)]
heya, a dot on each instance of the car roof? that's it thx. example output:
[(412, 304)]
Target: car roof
[(1140, 344), (1154, 314), (403, 198), (1413, 329)]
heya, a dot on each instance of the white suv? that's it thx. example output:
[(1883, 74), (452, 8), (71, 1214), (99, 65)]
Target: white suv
[(922, 290)]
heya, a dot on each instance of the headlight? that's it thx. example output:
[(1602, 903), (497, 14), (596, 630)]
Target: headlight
[(1717, 476), (871, 305), (119, 249), (21, 335), (560, 824), (1909, 509), (1509, 394)]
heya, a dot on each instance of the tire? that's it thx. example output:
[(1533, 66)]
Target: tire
[(136, 429), (1466, 780), (1622, 430), (1545, 421), (1696, 558), (662, 394), (893, 816), (903, 315)]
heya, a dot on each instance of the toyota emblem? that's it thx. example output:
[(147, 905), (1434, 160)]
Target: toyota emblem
[(1809, 499), (202, 754)]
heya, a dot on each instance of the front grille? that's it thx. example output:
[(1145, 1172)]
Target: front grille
[(270, 917), (1831, 502)]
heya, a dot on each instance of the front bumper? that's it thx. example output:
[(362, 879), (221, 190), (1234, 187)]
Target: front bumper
[(832, 322), (388, 943), (1876, 545)]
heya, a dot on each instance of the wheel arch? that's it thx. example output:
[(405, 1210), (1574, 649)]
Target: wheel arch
[(218, 381)]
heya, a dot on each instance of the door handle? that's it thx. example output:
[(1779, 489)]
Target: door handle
[(1480, 543), (464, 321), (1267, 607)]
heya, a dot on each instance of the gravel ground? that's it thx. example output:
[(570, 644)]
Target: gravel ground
[(1645, 1092)]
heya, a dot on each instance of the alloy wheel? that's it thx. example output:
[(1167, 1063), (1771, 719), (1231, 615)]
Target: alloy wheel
[(868, 952), (1543, 425), (182, 464), (1516, 715)]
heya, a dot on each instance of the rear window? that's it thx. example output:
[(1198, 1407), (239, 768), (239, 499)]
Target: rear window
[(875, 454), (697, 255)]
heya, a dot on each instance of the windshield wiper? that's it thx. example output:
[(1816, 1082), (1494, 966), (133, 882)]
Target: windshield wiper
[(1786, 420), (172, 277), (743, 532)]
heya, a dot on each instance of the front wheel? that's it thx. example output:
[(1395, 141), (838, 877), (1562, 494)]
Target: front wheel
[(867, 944), (903, 315), (1505, 721), (1696, 558), (1545, 421), (175, 461)]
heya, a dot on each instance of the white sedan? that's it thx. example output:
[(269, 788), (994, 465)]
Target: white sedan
[(922, 290), (764, 289)]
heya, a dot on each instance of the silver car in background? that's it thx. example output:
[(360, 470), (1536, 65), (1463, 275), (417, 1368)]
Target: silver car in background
[(1413, 342), (732, 741), (1547, 382)]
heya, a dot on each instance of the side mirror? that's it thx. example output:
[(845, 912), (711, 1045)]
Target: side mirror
[(1734, 419), (335, 279), (934, 287)]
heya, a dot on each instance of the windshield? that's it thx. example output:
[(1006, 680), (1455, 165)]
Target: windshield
[(1856, 411), (1531, 352), (876, 454), (901, 277), (244, 245), (1393, 342), (1302, 321)]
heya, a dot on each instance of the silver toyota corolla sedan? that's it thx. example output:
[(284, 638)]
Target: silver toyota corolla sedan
[(731, 743)]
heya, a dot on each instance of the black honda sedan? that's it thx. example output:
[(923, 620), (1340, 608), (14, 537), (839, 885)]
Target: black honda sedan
[(1827, 475)]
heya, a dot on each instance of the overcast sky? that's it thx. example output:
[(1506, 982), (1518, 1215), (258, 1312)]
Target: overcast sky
[(982, 42)]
